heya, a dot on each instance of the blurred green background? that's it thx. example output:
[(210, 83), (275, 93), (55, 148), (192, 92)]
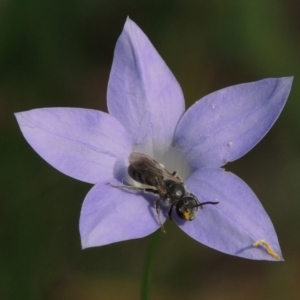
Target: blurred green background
[(59, 53)]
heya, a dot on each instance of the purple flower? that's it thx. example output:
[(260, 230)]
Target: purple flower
[(147, 114)]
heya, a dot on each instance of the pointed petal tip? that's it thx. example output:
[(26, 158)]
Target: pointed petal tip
[(142, 90), (85, 245), (284, 83), (288, 81), (129, 23), (18, 115), (288, 78)]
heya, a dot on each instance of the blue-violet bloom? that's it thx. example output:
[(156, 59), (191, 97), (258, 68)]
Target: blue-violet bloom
[(147, 114)]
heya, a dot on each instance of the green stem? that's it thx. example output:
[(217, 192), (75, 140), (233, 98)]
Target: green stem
[(148, 266)]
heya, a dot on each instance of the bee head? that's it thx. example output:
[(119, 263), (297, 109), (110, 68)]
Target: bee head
[(186, 208)]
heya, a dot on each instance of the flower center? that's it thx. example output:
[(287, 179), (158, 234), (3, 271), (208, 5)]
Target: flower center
[(171, 159)]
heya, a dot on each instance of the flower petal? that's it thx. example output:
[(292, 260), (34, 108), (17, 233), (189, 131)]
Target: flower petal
[(110, 215), (233, 225), (143, 94), (226, 124), (82, 143)]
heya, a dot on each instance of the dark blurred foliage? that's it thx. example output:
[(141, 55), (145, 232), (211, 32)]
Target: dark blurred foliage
[(58, 53)]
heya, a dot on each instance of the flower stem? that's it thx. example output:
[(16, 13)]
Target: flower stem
[(148, 265)]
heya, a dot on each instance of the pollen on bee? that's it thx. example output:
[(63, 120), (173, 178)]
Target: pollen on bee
[(268, 248), (188, 216)]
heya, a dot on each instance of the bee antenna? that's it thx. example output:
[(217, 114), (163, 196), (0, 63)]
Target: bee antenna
[(208, 202)]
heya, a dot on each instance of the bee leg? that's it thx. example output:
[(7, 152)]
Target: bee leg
[(126, 187), (133, 188), (170, 212), (148, 190), (157, 207), (175, 174)]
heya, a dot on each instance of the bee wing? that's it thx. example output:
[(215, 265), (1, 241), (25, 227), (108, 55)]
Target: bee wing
[(143, 163)]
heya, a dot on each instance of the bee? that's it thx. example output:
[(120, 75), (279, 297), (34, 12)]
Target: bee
[(168, 186)]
